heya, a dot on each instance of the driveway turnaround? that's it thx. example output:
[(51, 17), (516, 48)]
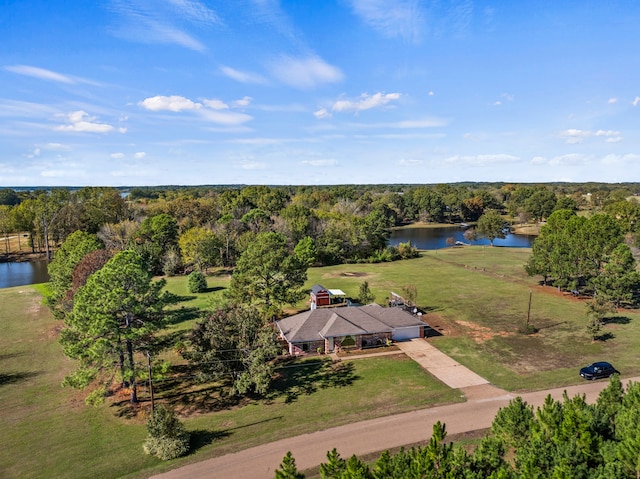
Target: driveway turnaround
[(450, 372), (372, 436)]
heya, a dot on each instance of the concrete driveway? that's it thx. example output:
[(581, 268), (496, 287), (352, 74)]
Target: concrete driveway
[(450, 372)]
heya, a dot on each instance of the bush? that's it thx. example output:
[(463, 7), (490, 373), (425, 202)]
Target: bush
[(167, 437), (197, 283)]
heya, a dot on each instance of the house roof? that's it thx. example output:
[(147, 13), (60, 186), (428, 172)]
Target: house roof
[(317, 324), (317, 288)]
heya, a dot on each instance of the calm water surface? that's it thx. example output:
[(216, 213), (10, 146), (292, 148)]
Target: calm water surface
[(22, 273), (436, 238)]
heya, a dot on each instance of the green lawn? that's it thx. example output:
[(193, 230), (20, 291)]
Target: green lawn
[(48, 431), (480, 294)]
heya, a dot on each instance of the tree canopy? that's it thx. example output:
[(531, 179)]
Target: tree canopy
[(268, 275), (115, 315)]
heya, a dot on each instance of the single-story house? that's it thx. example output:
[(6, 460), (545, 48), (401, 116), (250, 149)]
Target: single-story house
[(329, 330), (321, 296)]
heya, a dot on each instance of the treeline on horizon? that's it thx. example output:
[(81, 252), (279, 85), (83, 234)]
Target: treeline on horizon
[(182, 228)]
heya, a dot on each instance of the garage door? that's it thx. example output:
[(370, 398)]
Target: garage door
[(406, 333)]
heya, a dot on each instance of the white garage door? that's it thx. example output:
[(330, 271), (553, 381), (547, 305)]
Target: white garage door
[(406, 333)]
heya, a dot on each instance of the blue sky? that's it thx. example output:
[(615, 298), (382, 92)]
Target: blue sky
[(153, 92)]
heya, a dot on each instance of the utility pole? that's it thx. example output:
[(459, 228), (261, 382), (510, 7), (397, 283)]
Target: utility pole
[(529, 310), (150, 382)]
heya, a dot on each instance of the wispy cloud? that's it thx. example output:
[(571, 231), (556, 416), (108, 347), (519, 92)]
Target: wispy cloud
[(636, 101), (304, 73), (573, 135), (401, 18), (612, 101), (243, 77), (80, 121), (159, 22), (213, 110), (48, 75), (365, 102)]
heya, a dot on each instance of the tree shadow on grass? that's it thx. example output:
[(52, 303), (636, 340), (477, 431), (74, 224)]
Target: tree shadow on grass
[(617, 320), (13, 378), (172, 298), (605, 336), (201, 438), (305, 378), (213, 289), (182, 314)]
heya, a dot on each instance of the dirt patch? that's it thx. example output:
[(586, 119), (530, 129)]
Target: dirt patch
[(480, 334), (443, 326), (354, 274)]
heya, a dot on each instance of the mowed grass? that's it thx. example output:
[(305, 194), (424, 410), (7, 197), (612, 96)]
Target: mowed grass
[(480, 295), (477, 296), (48, 431)]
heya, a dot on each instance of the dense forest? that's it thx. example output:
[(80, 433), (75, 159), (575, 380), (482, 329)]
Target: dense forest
[(561, 439), (184, 228)]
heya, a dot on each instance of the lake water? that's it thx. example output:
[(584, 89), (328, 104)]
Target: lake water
[(22, 273), (436, 238)]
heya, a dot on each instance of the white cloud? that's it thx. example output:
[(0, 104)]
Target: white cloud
[(636, 101), (117, 156), (573, 135), (365, 102), (210, 110), (80, 121), (611, 101), (139, 155), (242, 77), (401, 18), (216, 104), (322, 113), (430, 93), (320, 163), (171, 103), (242, 102), (304, 73)]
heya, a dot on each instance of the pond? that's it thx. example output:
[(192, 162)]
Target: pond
[(20, 273), (436, 238)]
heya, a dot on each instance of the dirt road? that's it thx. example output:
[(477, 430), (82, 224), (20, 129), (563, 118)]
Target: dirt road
[(309, 450)]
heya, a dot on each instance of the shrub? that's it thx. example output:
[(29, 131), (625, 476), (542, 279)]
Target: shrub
[(197, 283), (167, 437)]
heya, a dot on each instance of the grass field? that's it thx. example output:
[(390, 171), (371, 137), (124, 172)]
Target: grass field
[(477, 297)]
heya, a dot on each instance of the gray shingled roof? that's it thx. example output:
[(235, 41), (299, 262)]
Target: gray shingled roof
[(314, 325)]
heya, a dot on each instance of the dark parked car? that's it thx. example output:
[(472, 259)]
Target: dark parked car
[(598, 370)]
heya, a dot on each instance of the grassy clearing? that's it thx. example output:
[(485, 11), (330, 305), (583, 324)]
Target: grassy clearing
[(479, 297), (49, 432), (476, 296)]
